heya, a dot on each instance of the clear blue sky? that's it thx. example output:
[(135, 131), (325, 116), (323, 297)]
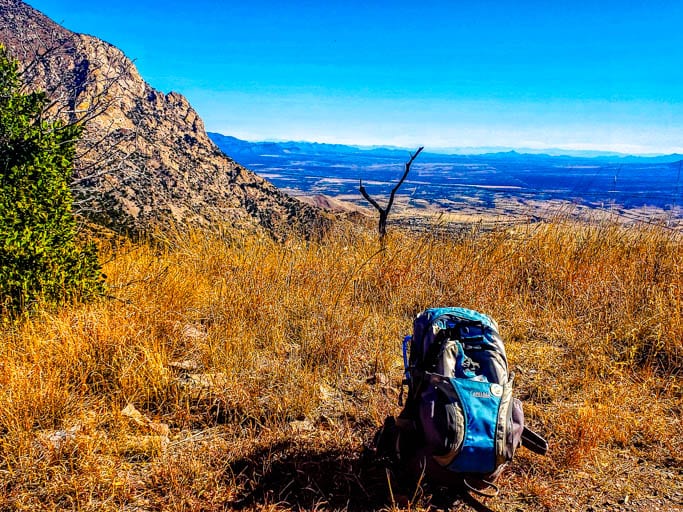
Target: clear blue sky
[(440, 73)]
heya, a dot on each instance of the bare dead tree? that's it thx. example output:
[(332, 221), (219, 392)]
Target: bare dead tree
[(384, 212)]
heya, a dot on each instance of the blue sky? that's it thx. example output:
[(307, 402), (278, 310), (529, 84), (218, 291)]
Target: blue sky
[(604, 75)]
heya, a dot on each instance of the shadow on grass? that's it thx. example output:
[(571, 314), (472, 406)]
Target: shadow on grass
[(308, 479)]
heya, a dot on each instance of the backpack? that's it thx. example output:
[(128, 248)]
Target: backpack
[(460, 423)]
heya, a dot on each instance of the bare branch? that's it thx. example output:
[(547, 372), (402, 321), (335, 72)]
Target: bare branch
[(367, 196), (384, 212), (405, 174)]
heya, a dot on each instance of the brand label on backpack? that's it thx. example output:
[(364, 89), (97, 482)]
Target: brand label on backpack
[(481, 394)]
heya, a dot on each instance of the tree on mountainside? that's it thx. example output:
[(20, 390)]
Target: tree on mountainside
[(87, 83), (39, 256), (384, 212)]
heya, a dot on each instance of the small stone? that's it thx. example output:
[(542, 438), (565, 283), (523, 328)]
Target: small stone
[(302, 425), (129, 411), (61, 437), (377, 378), (326, 392), (188, 365), (161, 429), (191, 332)]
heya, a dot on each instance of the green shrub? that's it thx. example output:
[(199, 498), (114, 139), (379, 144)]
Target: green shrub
[(39, 257)]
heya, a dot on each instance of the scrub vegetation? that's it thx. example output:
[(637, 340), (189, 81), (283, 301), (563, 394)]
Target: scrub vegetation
[(40, 257), (230, 371)]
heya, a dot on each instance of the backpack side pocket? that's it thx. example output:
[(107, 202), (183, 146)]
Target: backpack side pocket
[(442, 422)]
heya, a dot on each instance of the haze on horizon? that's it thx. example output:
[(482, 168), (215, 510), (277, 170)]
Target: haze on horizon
[(580, 75)]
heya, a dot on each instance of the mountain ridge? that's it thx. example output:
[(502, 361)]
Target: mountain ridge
[(145, 159), (242, 145)]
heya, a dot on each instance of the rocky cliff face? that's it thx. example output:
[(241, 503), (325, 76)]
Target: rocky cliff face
[(145, 158)]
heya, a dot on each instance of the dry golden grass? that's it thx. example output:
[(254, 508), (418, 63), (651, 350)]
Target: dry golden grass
[(233, 372)]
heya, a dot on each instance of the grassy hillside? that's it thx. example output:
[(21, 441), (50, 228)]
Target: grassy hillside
[(232, 372)]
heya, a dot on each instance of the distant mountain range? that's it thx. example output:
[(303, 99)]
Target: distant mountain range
[(239, 146), (458, 183), (234, 146)]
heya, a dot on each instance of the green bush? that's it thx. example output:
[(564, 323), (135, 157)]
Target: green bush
[(39, 257)]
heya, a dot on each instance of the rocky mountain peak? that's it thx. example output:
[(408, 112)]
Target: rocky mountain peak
[(145, 159)]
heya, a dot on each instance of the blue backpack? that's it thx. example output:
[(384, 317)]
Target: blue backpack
[(460, 423)]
